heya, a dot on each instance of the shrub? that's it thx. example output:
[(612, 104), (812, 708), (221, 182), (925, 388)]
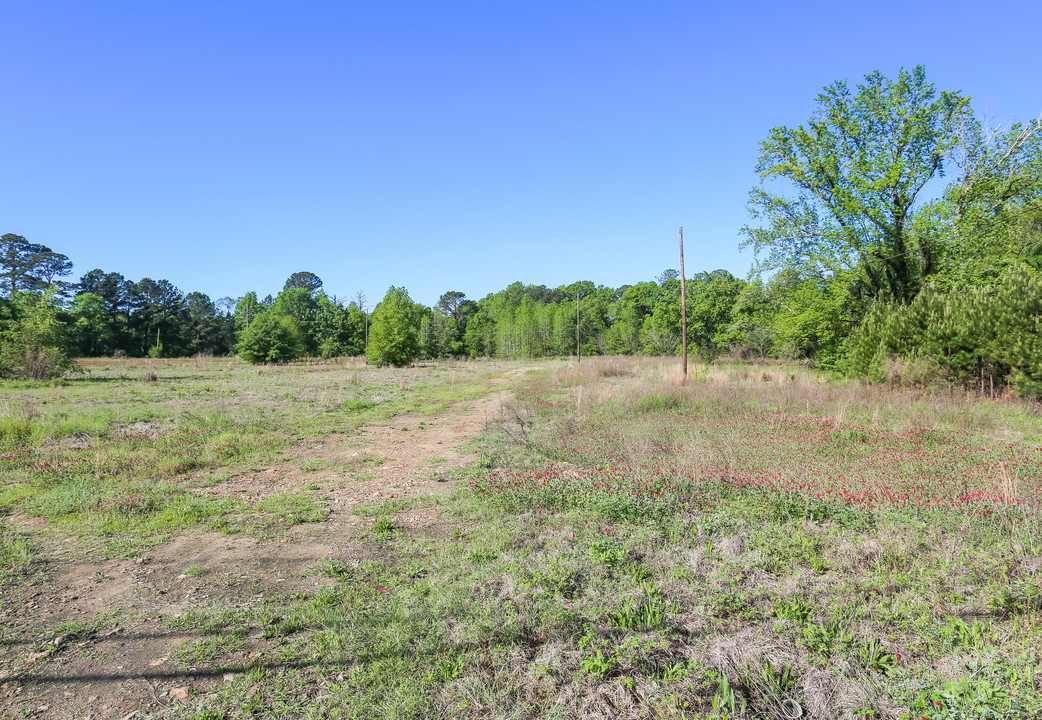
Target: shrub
[(32, 339), (271, 338)]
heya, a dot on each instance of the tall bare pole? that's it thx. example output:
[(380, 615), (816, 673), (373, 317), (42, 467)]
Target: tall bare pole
[(578, 351), (683, 304)]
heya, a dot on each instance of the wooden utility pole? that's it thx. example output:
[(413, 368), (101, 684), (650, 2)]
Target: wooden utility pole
[(578, 350), (683, 304)]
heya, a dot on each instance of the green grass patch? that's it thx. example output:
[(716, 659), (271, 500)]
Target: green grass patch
[(294, 508)]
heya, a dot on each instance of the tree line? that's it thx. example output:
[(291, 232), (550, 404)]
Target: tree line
[(858, 268)]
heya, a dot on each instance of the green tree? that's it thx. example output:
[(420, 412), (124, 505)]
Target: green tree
[(158, 312), (710, 310), (247, 308), (455, 311), (394, 330), (480, 339), (205, 328), (33, 341), (859, 167), (340, 331), (92, 331), (302, 305), (812, 316), (710, 300), (628, 314), (990, 219), (660, 331), (751, 332), (28, 266), (113, 291), (303, 281), (271, 338)]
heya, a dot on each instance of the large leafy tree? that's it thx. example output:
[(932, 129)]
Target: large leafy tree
[(271, 338), (480, 338), (302, 305), (634, 305), (247, 308), (990, 219), (303, 280), (339, 330), (858, 167), (394, 330), (111, 287), (28, 266)]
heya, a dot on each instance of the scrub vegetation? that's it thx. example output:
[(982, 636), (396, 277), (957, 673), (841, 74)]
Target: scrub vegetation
[(763, 541)]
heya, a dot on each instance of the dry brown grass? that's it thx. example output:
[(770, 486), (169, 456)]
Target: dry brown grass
[(790, 389)]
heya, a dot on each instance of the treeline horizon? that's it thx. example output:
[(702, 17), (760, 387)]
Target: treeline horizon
[(856, 270)]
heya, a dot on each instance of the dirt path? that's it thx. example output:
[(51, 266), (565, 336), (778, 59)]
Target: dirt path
[(126, 669)]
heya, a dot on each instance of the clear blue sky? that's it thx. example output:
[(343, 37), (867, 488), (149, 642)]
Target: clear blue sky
[(439, 145)]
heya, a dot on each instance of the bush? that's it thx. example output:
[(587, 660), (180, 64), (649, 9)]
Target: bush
[(271, 338), (32, 339)]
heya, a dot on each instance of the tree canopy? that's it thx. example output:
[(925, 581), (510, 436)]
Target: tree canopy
[(859, 167), (893, 229), (26, 266), (393, 330), (303, 281)]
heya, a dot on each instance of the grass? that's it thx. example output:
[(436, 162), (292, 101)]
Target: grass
[(115, 461), (762, 541), (293, 508), (17, 555)]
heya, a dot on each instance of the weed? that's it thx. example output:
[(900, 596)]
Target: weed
[(798, 610), (875, 657), (608, 551), (778, 682), (965, 635), (598, 664), (16, 554), (969, 697), (726, 703), (731, 605), (1017, 598), (646, 612), (316, 464), (384, 528), (208, 649), (294, 508), (822, 638), (334, 568)]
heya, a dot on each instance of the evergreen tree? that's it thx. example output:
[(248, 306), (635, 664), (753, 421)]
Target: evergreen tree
[(394, 330), (26, 266)]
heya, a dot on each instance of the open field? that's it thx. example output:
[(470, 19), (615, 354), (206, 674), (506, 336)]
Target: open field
[(202, 539)]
